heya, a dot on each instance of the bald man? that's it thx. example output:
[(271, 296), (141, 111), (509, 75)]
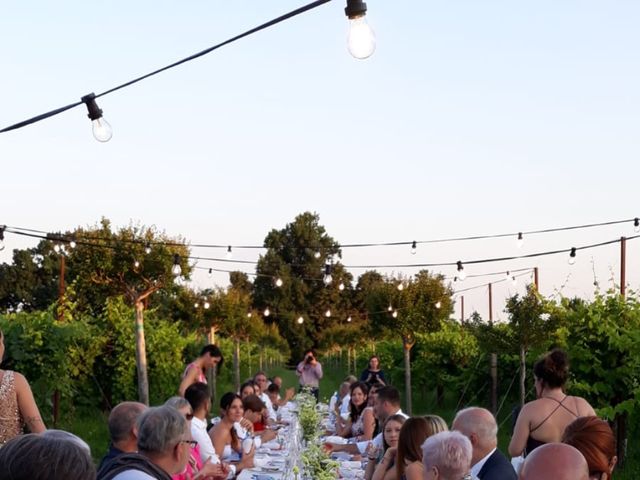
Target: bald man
[(558, 461), (480, 427), (123, 430)]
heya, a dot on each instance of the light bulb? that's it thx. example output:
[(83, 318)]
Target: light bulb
[(328, 279), (361, 41), (414, 248), (519, 240), (395, 314), (249, 314), (101, 130), (210, 274), (400, 287), (572, 256), (229, 252), (63, 250), (278, 282), (514, 280), (461, 273), (56, 248), (72, 244), (636, 225), (317, 254), (147, 249), (196, 305), (176, 269), (327, 313), (300, 320), (438, 304), (349, 319), (136, 264), (389, 308), (507, 275), (341, 286), (267, 312), (206, 305)]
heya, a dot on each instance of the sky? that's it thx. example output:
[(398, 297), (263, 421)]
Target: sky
[(472, 117)]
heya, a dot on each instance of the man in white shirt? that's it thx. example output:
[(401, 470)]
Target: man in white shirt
[(261, 380), (198, 397), (480, 427)]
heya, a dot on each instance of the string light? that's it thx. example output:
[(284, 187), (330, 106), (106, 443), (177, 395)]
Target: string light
[(278, 282), (327, 313), (249, 315), (206, 305), (361, 40), (210, 274), (395, 314), (400, 287), (327, 274), (136, 264), (438, 304), (229, 252), (520, 240), (101, 129), (461, 273), (389, 308), (196, 305), (2, 229), (572, 256), (176, 269), (636, 225), (267, 312), (300, 320), (341, 286), (349, 319), (72, 244), (414, 248), (147, 248), (317, 254)]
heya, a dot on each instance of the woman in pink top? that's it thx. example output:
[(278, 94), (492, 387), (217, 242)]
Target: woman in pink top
[(210, 356)]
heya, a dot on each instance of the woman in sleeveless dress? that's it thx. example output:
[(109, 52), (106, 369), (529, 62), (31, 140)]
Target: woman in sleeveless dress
[(361, 423), (17, 406), (210, 357), (413, 433), (545, 419)]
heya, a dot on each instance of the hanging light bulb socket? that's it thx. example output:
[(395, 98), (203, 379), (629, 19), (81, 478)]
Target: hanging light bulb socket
[(572, 256), (101, 129), (229, 252), (327, 274), (210, 274), (147, 248), (176, 269), (520, 240), (414, 247), (361, 40), (461, 273), (636, 225)]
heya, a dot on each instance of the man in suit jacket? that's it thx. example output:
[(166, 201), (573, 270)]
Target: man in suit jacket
[(487, 462)]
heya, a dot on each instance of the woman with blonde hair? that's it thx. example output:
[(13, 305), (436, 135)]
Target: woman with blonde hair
[(17, 405), (412, 435)]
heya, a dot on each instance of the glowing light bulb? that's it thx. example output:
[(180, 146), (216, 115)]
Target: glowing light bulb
[(636, 225), (438, 304), (361, 41), (206, 305), (56, 248), (176, 269), (278, 282), (461, 273), (414, 248), (327, 274), (519, 240), (229, 252), (72, 244), (341, 286), (389, 308), (196, 305), (267, 312), (147, 249), (395, 314), (317, 254), (300, 320), (327, 313), (249, 314), (572, 256), (101, 129), (136, 264), (400, 287), (349, 319), (210, 274)]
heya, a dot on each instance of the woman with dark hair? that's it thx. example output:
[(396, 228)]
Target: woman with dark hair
[(545, 419), (412, 435), (248, 388), (595, 440), (372, 375), (210, 356), (361, 423), (381, 464), (226, 441), (17, 406)]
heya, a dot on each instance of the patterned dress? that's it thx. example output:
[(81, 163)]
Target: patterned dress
[(11, 421)]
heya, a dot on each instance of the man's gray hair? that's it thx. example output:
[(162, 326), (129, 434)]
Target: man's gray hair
[(123, 418), (449, 452), (178, 403), (160, 429), (477, 420), (62, 435)]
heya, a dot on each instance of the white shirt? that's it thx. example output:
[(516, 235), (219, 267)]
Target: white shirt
[(271, 413), (475, 469), (344, 405), (200, 435), (378, 441), (133, 475)]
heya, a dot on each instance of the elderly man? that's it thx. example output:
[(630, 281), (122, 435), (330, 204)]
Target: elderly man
[(480, 427), (123, 430), (446, 456), (164, 443), (558, 461), (261, 380)]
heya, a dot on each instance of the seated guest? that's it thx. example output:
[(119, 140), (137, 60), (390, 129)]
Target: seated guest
[(361, 423), (224, 436), (273, 391), (63, 435), (210, 357), (545, 419), (261, 380), (480, 427), (40, 457), (123, 430), (557, 461), (196, 467), (381, 465), (447, 456), (345, 403), (255, 412), (248, 388), (595, 440), (412, 435), (164, 445)]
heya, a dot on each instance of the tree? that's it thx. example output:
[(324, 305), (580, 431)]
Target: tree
[(107, 263), (298, 255), (419, 307)]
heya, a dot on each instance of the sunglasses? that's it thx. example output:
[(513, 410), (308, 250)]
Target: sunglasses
[(192, 443)]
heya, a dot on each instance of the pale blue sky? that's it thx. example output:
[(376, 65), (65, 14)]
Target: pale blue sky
[(471, 117)]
